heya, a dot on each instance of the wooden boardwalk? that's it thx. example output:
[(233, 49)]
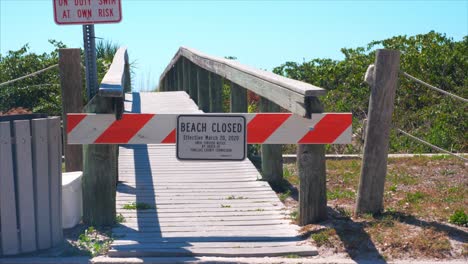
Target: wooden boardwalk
[(198, 208)]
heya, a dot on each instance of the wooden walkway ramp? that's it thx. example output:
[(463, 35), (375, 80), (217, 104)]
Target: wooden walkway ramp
[(197, 208)]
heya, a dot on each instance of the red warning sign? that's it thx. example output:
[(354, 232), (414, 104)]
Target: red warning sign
[(86, 12)]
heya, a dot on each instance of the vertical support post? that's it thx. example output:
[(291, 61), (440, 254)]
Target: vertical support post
[(193, 82), (174, 79), (238, 100), (90, 60), (128, 77), (186, 74), (272, 159), (99, 174), (374, 162), (203, 89), (180, 75), (216, 93), (72, 102), (165, 86), (312, 174)]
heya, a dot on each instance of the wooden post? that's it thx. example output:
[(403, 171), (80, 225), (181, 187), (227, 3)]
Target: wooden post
[(180, 75), (374, 162), (186, 74), (216, 93), (193, 82), (238, 102), (72, 102), (312, 174), (128, 78), (165, 86), (99, 174), (173, 86), (272, 159), (203, 90)]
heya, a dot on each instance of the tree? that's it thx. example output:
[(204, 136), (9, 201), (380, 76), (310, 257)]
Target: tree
[(432, 57), (41, 93)]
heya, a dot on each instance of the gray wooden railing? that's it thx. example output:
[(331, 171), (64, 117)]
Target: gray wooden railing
[(201, 76), (30, 183)]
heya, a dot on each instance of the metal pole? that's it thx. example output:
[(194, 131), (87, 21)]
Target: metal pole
[(90, 60)]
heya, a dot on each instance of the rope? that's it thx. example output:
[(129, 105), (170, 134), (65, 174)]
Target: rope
[(433, 87), (40, 85), (430, 145), (29, 75)]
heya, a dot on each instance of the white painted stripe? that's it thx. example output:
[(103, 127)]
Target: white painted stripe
[(90, 128), (345, 137), (293, 129)]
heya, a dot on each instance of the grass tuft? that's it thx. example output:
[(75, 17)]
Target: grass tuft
[(137, 206), (459, 217), (323, 236), (283, 196), (94, 243)]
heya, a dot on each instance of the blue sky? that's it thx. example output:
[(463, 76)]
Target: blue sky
[(263, 34)]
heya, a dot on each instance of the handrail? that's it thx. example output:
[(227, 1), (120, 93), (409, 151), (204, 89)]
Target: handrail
[(288, 93), (112, 85)]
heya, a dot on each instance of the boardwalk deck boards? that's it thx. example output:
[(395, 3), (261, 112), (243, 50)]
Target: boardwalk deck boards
[(198, 208)]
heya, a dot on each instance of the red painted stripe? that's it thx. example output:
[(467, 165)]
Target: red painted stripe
[(121, 131), (171, 138), (263, 125), (328, 129), (73, 120)]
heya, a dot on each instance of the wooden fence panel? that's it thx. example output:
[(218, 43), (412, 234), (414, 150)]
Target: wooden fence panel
[(24, 186), (55, 165), (41, 182), (8, 227)]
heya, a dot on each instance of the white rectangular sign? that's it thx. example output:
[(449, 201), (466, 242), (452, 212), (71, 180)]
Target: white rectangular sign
[(211, 137), (85, 12)]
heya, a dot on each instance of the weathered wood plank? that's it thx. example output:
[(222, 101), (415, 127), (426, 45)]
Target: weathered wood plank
[(186, 75), (112, 85), (55, 179), (272, 157), (169, 244), (312, 173), (225, 213), (193, 92), (238, 102), (222, 252), (72, 101), (8, 219), (216, 93), (203, 85), (99, 174), (266, 238), (136, 223), (180, 76), (24, 185), (41, 183), (381, 104), (205, 228)]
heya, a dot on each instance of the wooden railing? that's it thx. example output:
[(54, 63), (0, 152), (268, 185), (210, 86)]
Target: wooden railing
[(201, 76)]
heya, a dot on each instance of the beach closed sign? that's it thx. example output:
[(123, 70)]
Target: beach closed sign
[(211, 137), (85, 12)]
